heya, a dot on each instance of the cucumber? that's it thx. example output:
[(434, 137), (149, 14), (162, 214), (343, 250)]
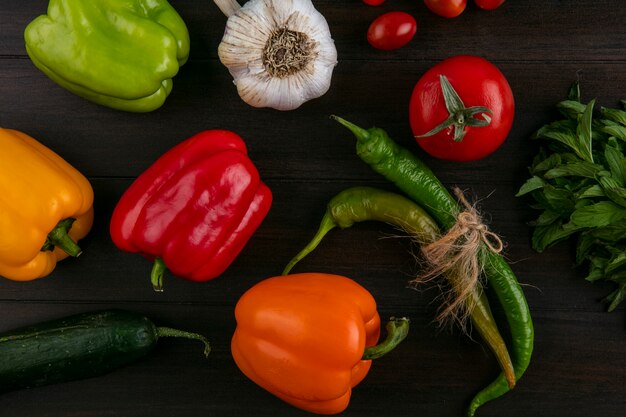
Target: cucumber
[(77, 347)]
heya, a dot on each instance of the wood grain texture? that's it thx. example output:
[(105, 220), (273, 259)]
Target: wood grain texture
[(578, 369)]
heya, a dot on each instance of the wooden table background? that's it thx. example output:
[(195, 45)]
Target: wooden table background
[(578, 367)]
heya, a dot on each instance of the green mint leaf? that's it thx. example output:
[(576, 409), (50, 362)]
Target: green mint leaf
[(583, 131), (576, 137), (560, 126), (613, 250), (571, 108), (582, 203), (599, 262), (546, 164), (619, 277), (598, 215), (576, 169), (546, 218), (594, 275), (613, 190), (558, 200), (591, 192), (615, 263), (615, 115), (611, 233), (616, 297), (596, 270), (584, 246), (532, 184), (562, 182), (574, 92), (614, 130), (616, 163), (546, 236)]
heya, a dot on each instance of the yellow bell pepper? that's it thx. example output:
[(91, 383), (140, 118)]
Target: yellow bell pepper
[(46, 205)]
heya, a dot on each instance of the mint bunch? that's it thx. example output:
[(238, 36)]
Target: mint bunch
[(578, 181)]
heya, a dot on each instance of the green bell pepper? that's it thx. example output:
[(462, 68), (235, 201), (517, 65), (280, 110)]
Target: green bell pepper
[(117, 53)]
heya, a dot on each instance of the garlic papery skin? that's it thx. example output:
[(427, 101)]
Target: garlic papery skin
[(280, 53)]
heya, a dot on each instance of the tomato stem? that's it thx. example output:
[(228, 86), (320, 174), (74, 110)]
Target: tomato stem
[(459, 116)]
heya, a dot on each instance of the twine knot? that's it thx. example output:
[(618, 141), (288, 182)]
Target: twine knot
[(469, 221), (457, 256)]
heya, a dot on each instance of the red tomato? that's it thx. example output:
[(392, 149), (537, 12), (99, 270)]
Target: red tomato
[(470, 124), (391, 30), (373, 2), (446, 8), (489, 4)]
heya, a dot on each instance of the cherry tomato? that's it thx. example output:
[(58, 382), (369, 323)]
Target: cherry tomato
[(446, 8), (461, 109), (489, 4), (391, 30), (373, 2)]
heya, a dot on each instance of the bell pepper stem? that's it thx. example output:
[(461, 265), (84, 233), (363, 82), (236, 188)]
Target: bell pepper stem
[(170, 332), (228, 7), (156, 276), (326, 225), (397, 331), (60, 238)]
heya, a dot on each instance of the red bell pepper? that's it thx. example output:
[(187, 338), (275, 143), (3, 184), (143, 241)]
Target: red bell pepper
[(194, 209)]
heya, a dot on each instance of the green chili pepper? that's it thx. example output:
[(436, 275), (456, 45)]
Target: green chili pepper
[(504, 283), (359, 204), (409, 174)]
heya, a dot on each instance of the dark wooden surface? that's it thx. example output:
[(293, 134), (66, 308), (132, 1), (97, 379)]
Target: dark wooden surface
[(579, 365)]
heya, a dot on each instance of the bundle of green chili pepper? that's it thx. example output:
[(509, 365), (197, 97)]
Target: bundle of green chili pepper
[(415, 179), (359, 204)]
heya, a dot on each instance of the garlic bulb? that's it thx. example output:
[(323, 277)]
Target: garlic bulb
[(279, 52)]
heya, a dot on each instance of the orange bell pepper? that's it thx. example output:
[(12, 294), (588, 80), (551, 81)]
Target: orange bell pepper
[(46, 205), (305, 338)]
